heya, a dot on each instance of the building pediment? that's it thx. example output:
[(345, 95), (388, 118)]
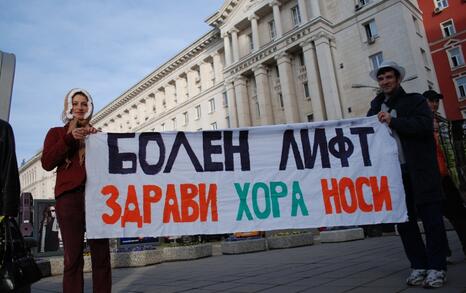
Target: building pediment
[(235, 11)]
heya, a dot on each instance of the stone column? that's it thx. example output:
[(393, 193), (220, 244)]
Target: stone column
[(126, 120), (134, 116), (242, 102), (205, 71), (191, 80), (303, 10), (150, 105), (315, 8), (263, 95), (277, 18), (233, 116), (327, 75), (255, 32), (318, 108), (226, 45), (288, 88), (159, 99), (180, 85), (234, 42), (218, 67), (142, 110), (170, 94)]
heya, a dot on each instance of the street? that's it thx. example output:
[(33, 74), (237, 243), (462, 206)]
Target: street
[(369, 265)]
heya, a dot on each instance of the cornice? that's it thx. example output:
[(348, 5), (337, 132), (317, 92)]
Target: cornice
[(318, 27), (164, 70), (169, 112), (30, 162), (218, 18)]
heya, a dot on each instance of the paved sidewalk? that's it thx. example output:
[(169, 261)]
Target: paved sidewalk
[(371, 265)]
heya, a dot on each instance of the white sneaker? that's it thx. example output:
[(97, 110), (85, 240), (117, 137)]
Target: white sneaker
[(435, 279), (416, 278)]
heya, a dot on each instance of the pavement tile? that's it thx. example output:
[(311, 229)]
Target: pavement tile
[(325, 289), (377, 289), (221, 286)]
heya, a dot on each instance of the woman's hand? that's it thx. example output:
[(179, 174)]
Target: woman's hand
[(91, 130), (81, 132)]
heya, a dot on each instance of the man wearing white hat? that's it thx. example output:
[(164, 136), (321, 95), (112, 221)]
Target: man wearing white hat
[(411, 122)]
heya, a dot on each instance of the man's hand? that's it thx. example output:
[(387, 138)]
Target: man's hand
[(384, 117)]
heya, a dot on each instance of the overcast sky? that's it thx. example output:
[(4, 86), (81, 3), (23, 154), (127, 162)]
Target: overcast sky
[(104, 46)]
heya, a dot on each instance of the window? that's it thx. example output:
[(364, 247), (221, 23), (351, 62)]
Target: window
[(456, 57), (213, 125), (306, 89), (310, 117), (162, 126), (174, 123), (228, 121), (295, 16), (185, 118), (371, 31), (448, 28), (280, 100), (417, 27), (251, 42), (272, 31), (225, 100), (301, 59), (198, 112), (376, 60), (424, 57), (461, 87), (441, 4), (212, 105), (361, 3), (430, 85), (258, 109)]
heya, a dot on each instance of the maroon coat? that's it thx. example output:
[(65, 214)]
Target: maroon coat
[(58, 146)]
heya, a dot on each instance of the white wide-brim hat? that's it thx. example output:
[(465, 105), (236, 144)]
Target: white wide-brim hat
[(69, 101), (388, 64)]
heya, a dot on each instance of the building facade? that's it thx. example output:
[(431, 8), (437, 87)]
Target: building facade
[(269, 62), (445, 25)]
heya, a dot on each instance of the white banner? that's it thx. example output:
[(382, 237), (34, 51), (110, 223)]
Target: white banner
[(321, 174)]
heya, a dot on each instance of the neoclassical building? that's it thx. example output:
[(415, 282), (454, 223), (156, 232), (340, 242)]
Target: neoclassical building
[(269, 62)]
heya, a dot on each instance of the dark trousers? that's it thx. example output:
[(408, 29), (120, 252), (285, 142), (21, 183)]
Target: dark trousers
[(454, 209), (71, 218), (432, 254)]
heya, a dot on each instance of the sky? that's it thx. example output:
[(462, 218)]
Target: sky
[(103, 46)]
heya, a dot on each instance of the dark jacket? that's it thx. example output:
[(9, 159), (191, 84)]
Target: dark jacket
[(59, 146), (414, 125), (9, 178)]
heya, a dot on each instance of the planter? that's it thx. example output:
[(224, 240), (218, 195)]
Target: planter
[(341, 235), (136, 258), (291, 240), (244, 246), (187, 252)]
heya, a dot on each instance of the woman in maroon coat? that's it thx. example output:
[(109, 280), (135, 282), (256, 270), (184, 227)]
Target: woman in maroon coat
[(64, 150)]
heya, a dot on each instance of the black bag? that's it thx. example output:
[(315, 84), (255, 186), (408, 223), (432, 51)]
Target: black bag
[(18, 267)]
